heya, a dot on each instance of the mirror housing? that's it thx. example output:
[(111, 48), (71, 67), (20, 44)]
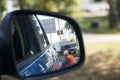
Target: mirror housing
[(7, 54)]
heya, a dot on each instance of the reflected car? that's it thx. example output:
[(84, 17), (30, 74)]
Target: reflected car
[(71, 47), (34, 55)]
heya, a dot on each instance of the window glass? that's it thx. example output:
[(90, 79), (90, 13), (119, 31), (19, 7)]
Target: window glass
[(17, 42), (25, 44), (17, 45), (41, 36)]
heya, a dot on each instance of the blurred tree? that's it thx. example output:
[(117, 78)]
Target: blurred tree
[(97, 0), (64, 7), (2, 7), (113, 13), (23, 4), (118, 7)]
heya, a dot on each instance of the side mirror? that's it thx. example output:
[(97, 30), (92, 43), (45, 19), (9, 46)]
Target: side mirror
[(37, 44)]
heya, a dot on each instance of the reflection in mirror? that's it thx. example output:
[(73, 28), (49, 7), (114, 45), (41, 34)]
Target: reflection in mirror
[(43, 44)]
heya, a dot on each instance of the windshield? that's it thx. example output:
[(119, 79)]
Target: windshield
[(72, 45)]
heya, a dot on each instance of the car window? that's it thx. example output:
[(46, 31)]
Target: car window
[(23, 37), (41, 34), (67, 46), (63, 48), (73, 45), (17, 40)]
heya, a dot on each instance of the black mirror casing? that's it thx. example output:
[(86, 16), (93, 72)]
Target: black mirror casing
[(7, 55)]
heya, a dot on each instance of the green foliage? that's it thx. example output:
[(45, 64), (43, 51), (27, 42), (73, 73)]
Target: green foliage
[(72, 40), (23, 4), (97, 0), (85, 24), (69, 27), (64, 7), (2, 7)]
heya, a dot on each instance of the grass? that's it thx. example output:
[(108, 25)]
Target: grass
[(85, 24), (102, 63)]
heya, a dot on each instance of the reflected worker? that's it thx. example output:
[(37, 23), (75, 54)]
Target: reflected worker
[(70, 60)]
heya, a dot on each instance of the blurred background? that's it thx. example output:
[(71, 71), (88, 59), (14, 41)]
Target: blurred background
[(100, 25)]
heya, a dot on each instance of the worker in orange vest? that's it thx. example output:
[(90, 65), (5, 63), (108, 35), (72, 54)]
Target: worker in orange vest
[(70, 60)]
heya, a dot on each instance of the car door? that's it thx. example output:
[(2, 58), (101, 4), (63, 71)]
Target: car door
[(34, 55)]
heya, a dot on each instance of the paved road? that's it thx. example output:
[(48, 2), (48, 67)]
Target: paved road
[(101, 37)]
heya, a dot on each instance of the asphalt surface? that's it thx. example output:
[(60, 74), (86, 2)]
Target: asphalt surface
[(101, 37)]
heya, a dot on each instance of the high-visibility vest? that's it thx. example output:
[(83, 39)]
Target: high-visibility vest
[(72, 59)]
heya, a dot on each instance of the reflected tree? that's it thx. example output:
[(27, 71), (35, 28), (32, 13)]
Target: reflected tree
[(68, 26)]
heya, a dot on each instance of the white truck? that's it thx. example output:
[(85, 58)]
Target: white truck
[(66, 45)]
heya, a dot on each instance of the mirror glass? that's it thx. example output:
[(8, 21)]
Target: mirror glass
[(43, 44)]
